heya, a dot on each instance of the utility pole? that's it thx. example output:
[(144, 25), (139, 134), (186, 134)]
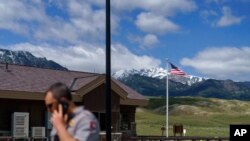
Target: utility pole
[(108, 72)]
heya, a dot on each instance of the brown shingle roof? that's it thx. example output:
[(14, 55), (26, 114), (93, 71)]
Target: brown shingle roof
[(132, 94), (32, 79)]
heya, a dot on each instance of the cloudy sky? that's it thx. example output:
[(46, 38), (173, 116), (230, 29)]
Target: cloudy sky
[(203, 37)]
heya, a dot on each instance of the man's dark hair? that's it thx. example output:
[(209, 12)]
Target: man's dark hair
[(59, 90)]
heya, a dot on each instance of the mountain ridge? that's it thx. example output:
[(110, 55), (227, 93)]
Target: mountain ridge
[(159, 73), (181, 86), (27, 59)]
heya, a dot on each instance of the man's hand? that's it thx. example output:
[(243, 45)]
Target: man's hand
[(58, 121), (57, 118)]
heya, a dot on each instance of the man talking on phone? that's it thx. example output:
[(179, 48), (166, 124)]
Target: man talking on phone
[(70, 122)]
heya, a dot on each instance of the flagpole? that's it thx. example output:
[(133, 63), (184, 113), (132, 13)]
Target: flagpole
[(167, 99)]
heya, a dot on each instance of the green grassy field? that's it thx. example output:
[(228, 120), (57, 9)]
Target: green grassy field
[(199, 116)]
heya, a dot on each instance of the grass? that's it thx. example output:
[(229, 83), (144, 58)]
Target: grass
[(214, 120)]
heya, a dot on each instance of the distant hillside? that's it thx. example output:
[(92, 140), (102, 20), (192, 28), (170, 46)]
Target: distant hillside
[(27, 59), (209, 117), (199, 106), (226, 89)]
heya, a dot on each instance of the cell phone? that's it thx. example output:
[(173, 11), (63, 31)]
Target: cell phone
[(65, 106)]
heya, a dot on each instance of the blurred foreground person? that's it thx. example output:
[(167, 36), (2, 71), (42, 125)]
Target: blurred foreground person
[(70, 122)]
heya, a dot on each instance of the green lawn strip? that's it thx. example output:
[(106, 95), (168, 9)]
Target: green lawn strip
[(150, 123)]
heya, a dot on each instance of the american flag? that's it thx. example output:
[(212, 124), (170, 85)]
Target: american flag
[(176, 71)]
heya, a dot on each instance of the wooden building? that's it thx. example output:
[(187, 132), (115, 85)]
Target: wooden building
[(22, 90)]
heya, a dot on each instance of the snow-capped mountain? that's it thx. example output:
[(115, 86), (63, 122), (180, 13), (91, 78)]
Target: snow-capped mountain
[(159, 73), (27, 59), (153, 72)]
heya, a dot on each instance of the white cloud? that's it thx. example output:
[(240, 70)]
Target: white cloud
[(227, 18), (223, 63), (122, 58), (17, 16), (145, 42), (154, 12), (150, 23), (208, 14), (89, 57), (161, 7), (84, 23), (149, 40)]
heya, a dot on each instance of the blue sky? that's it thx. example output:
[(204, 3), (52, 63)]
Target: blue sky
[(203, 37)]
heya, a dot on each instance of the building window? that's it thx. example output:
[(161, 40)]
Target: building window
[(125, 121)]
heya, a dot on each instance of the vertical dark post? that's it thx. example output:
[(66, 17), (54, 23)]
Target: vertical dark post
[(108, 73), (6, 66)]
